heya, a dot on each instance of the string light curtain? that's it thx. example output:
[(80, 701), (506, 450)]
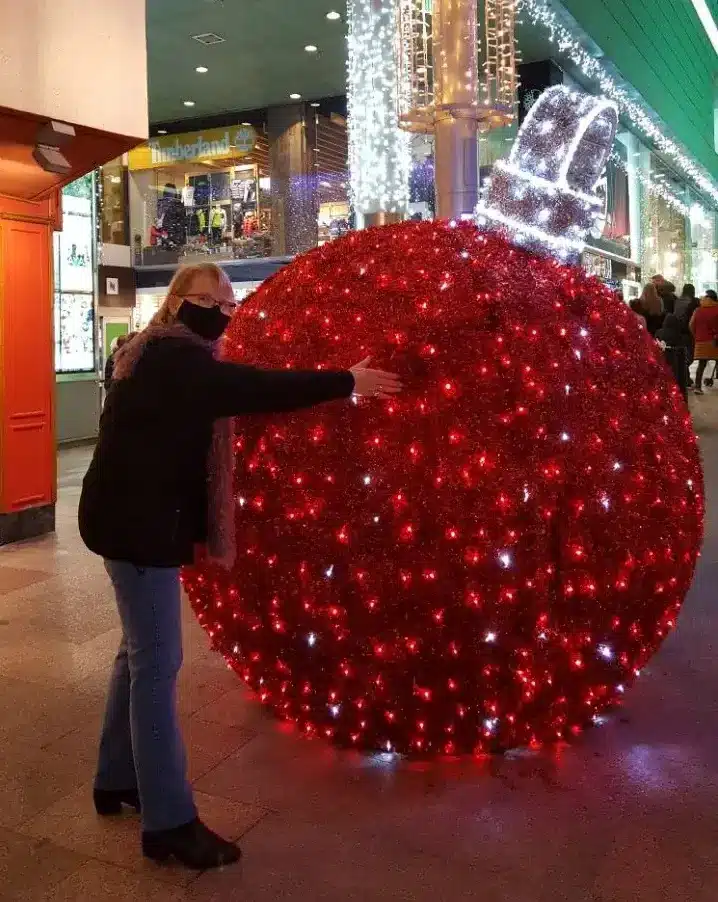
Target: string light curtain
[(425, 60), (379, 151)]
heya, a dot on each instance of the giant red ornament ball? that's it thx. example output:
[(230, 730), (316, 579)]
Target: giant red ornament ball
[(485, 562)]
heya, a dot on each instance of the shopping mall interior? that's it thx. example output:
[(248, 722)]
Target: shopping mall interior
[(368, 192)]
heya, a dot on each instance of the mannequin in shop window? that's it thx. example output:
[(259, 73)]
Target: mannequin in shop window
[(218, 223)]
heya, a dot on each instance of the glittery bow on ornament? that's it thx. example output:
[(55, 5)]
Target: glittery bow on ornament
[(543, 197)]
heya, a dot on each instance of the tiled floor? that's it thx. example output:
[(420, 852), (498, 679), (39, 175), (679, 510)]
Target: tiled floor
[(628, 815)]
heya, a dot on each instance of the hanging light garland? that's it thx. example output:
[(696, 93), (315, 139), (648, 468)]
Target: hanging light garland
[(654, 187), (379, 151), (426, 76), (540, 13)]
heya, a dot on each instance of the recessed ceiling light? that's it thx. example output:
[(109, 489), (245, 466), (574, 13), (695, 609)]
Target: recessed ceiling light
[(201, 69), (311, 48), (295, 96), (315, 105), (161, 131), (188, 102), (247, 123), (333, 16), (208, 37)]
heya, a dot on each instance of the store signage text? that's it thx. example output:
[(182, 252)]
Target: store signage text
[(213, 144)]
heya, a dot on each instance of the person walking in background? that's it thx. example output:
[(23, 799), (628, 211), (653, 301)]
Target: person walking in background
[(676, 336), (667, 293), (704, 328), (686, 306), (650, 307), (160, 485), (687, 303)]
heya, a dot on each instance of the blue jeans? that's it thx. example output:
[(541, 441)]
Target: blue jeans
[(141, 744)]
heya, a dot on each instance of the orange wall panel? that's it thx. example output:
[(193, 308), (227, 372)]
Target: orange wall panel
[(27, 378)]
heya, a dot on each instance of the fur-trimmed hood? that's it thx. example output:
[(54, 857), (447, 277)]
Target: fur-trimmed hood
[(125, 359)]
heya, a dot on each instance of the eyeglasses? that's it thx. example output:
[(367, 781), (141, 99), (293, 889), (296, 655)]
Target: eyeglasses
[(206, 300)]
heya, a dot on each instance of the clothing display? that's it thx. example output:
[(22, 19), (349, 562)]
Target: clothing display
[(245, 190), (171, 218), (218, 223)]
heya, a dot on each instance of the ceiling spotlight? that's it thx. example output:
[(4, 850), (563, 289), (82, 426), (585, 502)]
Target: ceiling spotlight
[(315, 105), (247, 123), (333, 16), (201, 70), (161, 131), (311, 48), (188, 102), (295, 96)]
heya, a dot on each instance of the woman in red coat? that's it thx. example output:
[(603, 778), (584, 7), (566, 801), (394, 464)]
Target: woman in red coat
[(704, 328)]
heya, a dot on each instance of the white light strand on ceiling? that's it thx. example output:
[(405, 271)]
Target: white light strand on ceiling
[(652, 186), (379, 151), (540, 13)]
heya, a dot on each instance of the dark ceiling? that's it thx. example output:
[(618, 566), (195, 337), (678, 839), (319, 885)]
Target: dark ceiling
[(260, 63)]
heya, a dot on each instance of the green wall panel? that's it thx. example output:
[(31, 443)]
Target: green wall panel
[(660, 47)]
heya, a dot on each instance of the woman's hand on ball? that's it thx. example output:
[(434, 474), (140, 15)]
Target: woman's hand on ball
[(374, 383)]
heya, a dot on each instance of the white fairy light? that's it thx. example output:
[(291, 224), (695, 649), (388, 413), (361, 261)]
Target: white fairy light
[(334, 710), (329, 572), (605, 651), (312, 640), (490, 637), (379, 151), (655, 187), (505, 560), (540, 13)]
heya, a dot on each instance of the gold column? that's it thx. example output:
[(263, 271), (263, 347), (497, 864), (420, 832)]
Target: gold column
[(456, 94)]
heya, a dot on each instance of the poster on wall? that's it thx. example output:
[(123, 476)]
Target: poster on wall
[(74, 333), (74, 263)]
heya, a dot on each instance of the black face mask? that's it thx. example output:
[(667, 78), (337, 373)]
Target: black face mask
[(207, 322)]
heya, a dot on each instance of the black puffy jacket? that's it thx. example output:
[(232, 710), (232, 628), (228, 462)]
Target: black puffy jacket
[(144, 498)]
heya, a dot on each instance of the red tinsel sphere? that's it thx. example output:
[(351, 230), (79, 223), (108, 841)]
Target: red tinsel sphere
[(490, 559)]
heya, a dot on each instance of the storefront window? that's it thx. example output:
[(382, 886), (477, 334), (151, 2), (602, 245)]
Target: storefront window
[(75, 280), (331, 155), (703, 247), (114, 213), (201, 194), (665, 228)]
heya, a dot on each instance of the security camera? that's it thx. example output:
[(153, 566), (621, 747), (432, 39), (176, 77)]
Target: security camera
[(47, 154)]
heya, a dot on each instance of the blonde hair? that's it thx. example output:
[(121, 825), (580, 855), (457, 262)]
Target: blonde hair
[(651, 300), (180, 284)]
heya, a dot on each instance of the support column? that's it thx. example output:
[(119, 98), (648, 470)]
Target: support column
[(456, 97), (295, 202)]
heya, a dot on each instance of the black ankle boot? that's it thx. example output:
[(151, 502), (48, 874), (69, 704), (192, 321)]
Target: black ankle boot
[(109, 802), (193, 845)]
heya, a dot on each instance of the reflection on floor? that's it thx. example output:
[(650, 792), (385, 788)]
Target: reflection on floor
[(628, 815)]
